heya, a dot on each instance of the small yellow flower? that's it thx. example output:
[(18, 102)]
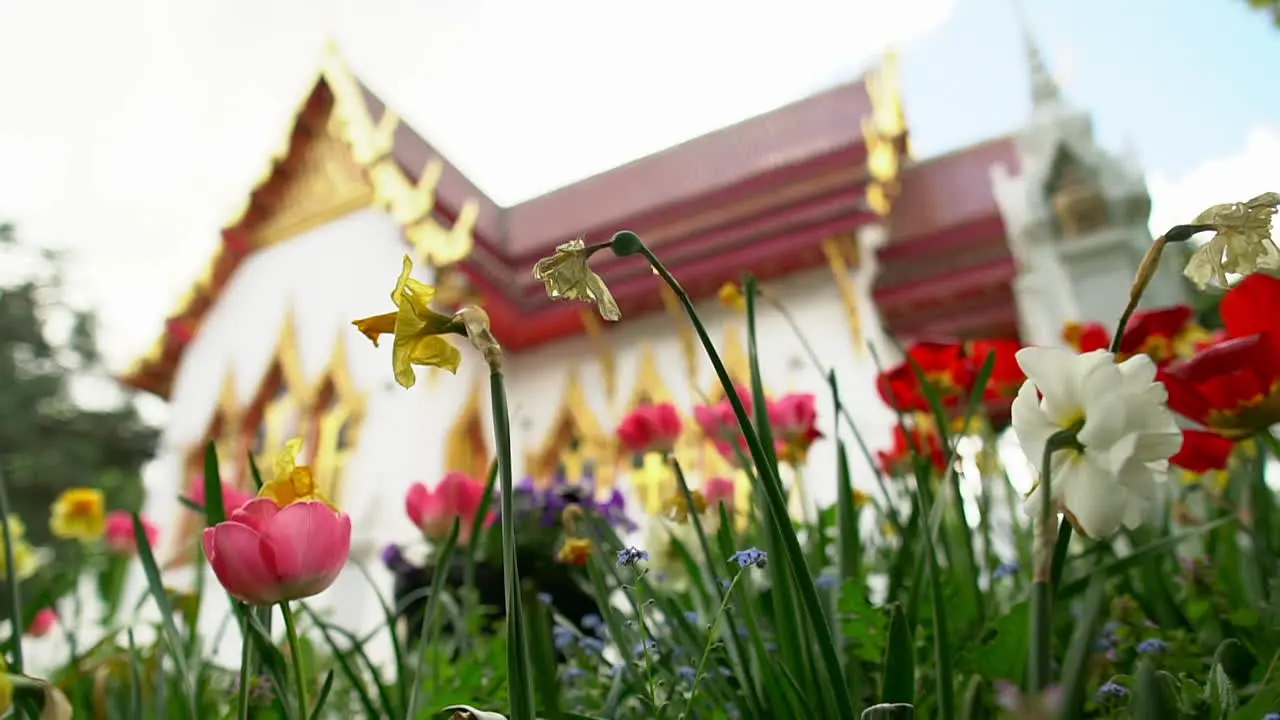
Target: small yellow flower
[(79, 514), (292, 482), (567, 277), (6, 687), (26, 559), (575, 551), (417, 329), (731, 296), (1243, 242)]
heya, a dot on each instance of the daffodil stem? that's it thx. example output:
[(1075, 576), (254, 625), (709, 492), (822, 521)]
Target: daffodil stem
[(1043, 556), (295, 651), (246, 661), (11, 579), (520, 687)]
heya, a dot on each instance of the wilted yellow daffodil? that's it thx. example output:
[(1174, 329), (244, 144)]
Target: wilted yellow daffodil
[(677, 508), (731, 296), (26, 559), (292, 482), (1243, 242), (417, 329), (568, 277), (79, 514)]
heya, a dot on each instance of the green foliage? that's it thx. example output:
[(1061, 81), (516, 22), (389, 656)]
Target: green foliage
[(1270, 7), (48, 441), (894, 610)]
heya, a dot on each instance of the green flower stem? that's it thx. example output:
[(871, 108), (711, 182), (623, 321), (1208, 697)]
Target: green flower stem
[(706, 649), (246, 661), (295, 650), (627, 243), (520, 684), (11, 579), (1043, 556)]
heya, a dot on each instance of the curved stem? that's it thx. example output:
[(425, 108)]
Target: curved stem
[(706, 649), (295, 651), (1043, 556)]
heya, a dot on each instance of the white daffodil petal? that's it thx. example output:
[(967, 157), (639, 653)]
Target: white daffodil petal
[(1030, 424), (1092, 499), (1053, 372)]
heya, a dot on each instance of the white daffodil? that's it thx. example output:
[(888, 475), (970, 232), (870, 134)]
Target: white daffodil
[(1124, 430), (1243, 242)]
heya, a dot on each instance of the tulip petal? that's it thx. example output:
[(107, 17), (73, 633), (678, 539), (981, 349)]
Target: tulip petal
[(307, 545), (257, 513), (238, 563)]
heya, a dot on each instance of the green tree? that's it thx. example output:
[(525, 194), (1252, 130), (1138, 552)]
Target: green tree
[(51, 440), (1271, 7)]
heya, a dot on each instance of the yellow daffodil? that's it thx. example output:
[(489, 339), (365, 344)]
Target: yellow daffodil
[(731, 296), (417, 329), (1243, 242), (79, 514), (567, 277), (292, 482), (575, 551), (860, 498)]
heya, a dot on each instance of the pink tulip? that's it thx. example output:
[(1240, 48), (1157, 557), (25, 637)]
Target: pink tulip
[(267, 554), (119, 534), (794, 419), (232, 498), (720, 490), (433, 510), (42, 623), (651, 428), (718, 421)]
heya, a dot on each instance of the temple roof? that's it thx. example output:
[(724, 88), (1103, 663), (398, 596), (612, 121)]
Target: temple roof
[(762, 195)]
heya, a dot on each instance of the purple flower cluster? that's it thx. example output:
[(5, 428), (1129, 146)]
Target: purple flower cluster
[(546, 503)]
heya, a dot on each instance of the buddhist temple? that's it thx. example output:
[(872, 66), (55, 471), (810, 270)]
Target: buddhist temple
[(821, 199)]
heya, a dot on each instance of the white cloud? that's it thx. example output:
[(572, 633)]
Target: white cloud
[(1252, 170), (136, 129)]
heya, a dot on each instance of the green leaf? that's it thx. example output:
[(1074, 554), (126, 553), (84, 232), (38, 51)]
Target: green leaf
[(1001, 652), (1235, 660), (1133, 559), (1149, 699), (899, 684), (1220, 693), (862, 623)]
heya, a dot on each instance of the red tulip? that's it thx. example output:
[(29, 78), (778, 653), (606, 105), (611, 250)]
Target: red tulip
[(651, 428), (433, 510), (232, 498), (1163, 334), (1203, 451), (119, 534), (1006, 374), (897, 461), (42, 623), (720, 490), (267, 554), (1233, 386), (944, 367)]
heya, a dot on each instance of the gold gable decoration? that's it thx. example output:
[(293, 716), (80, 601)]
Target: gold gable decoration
[(648, 387), (838, 251), (733, 353), (603, 351), (575, 444), (466, 447), (339, 412), (324, 184), (687, 341), (884, 133), (283, 402), (410, 203)]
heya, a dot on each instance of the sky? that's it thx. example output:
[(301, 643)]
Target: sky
[(132, 130)]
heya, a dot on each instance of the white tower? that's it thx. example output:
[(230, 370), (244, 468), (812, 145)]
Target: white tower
[(1076, 218)]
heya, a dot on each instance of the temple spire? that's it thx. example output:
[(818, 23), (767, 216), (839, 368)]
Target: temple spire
[(1044, 89)]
